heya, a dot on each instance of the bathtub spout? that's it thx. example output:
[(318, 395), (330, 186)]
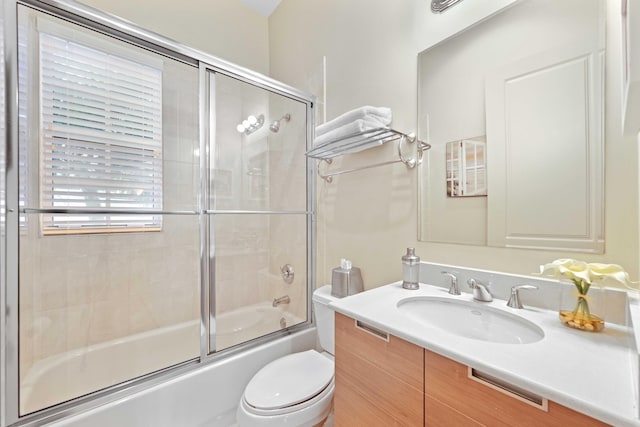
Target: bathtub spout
[(282, 300)]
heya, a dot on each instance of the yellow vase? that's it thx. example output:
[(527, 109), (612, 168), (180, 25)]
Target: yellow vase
[(581, 315)]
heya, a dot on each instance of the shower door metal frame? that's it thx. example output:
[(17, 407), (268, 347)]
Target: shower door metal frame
[(8, 294), (117, 28)]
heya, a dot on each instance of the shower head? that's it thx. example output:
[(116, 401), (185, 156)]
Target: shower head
[(275, 125)]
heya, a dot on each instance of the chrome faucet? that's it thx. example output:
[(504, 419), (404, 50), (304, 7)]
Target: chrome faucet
[(282, 300), (453, 288), (480, 291), (514, 299)]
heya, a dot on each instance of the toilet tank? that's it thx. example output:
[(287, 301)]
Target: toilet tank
[(324, 317)]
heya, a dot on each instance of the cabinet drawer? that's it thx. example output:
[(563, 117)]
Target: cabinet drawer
[(447, 382), (403, 360)]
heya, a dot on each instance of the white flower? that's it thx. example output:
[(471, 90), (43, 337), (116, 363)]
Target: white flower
[(609, 274), (583, 274), (567, 267)]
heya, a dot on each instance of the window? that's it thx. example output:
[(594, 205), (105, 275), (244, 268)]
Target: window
[(101, 138)]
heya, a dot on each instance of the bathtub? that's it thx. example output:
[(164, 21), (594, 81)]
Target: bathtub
[(193, 399), (246, 323)]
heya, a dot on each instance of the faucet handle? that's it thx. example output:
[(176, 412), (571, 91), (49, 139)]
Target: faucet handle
[(514, 299), (481, 291), (473, 283), (453, 288)]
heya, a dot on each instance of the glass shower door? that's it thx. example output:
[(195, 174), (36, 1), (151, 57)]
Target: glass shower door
[(126, 230), (109, 241), (258, 216)]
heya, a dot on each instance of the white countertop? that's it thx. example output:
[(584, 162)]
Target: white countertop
[(585, 371)]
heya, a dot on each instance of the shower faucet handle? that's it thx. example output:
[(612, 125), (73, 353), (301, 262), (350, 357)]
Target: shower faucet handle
[(288, 274)]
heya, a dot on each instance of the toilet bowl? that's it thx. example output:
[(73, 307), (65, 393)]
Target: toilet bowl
[(295, 390)]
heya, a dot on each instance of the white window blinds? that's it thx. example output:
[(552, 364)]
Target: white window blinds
[(101, 137)]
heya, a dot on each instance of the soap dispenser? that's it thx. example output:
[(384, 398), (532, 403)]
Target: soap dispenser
[(411, 270)]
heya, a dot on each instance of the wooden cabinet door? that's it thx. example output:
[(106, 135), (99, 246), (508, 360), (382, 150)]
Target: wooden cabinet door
[(379, 378)]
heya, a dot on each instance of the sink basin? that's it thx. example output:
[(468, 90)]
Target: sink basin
[(471, 320)]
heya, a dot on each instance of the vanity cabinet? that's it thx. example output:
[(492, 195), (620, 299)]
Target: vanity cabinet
[(379, 378), (457, 395), (382, 380)]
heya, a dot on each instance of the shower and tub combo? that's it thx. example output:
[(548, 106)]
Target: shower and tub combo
[(149, 242), (111, 362)]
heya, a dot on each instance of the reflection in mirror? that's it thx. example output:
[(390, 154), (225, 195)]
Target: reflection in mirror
[(531, 80), (466, 166)]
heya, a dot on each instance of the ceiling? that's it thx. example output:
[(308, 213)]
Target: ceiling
[(263, 7)]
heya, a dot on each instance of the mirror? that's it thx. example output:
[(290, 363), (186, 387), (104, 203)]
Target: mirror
[(529, 84)]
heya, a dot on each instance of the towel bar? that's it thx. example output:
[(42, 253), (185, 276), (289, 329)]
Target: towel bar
[(359, 141), (409, 162)]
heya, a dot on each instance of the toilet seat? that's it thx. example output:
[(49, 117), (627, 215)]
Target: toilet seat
[(289, 384), (321, 401), (298, 392)]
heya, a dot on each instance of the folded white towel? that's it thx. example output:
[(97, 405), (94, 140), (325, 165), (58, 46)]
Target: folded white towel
[(382, 114), (333, 142)]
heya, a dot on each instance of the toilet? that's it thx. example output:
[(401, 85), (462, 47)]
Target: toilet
[(295, 390)]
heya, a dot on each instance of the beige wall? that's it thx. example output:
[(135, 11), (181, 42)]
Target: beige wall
[(371, 49), (224, 28)]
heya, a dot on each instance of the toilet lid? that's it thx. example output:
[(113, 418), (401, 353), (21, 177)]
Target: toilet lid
[(289, 380)]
